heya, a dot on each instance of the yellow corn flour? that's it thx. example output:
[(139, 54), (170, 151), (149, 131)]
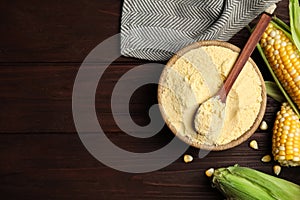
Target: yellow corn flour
[(194, 78)]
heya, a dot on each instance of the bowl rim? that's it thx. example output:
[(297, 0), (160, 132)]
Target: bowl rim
[(245, 136)]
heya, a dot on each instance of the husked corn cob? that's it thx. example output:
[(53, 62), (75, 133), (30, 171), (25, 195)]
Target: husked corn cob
[(284, 59), (237, 182), (286, 137)]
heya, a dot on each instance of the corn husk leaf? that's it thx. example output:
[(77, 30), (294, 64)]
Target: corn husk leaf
[(237, 182), (294, 11), (274, 91), (278, 23)]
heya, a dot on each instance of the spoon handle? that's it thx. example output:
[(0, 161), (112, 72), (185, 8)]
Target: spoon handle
[(244, 55)]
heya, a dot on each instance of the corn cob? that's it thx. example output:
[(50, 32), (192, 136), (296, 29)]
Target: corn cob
[(284, 59), (237, 182), (286, 137)]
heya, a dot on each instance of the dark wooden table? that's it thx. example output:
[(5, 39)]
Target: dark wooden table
[(42, 46)]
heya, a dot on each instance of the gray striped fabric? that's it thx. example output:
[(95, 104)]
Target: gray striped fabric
[(156, 29)]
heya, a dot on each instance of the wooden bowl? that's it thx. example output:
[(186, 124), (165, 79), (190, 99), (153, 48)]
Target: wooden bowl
[(191, 141)]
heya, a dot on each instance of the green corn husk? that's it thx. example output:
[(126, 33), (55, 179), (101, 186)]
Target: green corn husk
[(294, 11), (237, 182), (273, 91)]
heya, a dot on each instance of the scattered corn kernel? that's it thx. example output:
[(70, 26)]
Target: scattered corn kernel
[(253, 144), (263, 126), (266, 158), (209, 172), (276, 169), (188, 158)]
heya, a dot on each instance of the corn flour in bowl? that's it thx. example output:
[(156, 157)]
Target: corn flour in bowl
[(195, 74)]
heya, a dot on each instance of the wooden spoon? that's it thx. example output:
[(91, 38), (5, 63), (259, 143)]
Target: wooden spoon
[(218, 109), (245, 54)]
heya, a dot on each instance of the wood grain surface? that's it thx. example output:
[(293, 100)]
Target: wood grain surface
[(42, 46)]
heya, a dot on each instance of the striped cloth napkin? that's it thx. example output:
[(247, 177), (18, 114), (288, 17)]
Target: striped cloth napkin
[(156, 29)]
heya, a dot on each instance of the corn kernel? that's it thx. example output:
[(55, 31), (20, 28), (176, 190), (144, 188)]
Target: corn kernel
[(289, 157), (276, 169), (209, 172), (281, 158), (289, 152), (263, 125), (296, 159), (266, 158), (188, 158), (253, 144), (281, 153)]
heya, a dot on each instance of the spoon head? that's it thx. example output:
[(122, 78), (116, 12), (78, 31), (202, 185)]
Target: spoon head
[(209, 120)]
